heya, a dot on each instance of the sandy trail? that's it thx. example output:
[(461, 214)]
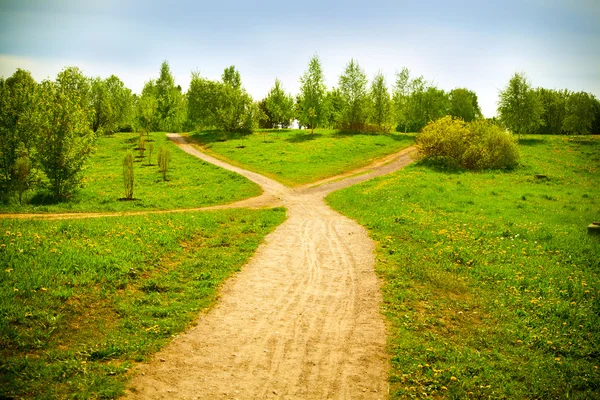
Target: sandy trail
[(300, 321)]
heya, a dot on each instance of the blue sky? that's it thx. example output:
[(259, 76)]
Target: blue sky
[(477, 45)]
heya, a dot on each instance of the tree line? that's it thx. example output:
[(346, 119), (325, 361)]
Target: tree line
[(48, 129)]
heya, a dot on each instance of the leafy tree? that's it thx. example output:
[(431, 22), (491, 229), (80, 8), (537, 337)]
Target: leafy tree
[(463, 104), (435, 104), (553, 104), (146, 106), (164, 159), (64, 137), (579, 113), (267, 122), (519, 106), (401, 97), (128, 176), (333, 108), (312, 95), (202, 98), (381, 102), (17, 118), (112, 103), (231, 77), (225, 105), (22, 170), (353, 88), (596, 123), (280, 106), (170, 107)]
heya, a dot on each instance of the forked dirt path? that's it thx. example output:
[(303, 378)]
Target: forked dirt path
[(300, 321)]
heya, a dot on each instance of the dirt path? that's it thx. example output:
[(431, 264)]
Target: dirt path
[(300, 321)]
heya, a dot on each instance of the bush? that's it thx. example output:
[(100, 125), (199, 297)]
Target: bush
[(475, 145)]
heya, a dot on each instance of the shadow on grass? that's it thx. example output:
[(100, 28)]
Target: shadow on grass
[(303, 137), (212, 136), (531, 141)]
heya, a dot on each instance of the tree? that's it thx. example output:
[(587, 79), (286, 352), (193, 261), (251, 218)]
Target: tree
[(128, 176), (333, 106), (170, 107), (232, 77), (312, 95), (225, 105), (164, 158), (146, 107), (519, 107), (401, 93), (579, 113), (381, 103), (553, 103), (435, 105), (463, 104), (353, 88), (64, 138), (112, 103), (202, 97), (17, 118), (280, 106)]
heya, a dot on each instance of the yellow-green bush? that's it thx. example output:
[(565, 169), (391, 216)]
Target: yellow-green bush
[(475, 145)]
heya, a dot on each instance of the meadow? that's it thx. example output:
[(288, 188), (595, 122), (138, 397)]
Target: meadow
[(491, 282), (82, 300), (295, 157), (190, 182)]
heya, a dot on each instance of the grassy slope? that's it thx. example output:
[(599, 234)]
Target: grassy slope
[(191, 182), (81, 300), (491, 283), (295, 157)]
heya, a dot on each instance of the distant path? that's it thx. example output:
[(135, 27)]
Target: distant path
[(300, 321)]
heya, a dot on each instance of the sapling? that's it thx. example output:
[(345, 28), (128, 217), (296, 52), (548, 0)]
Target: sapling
[(128, 176)]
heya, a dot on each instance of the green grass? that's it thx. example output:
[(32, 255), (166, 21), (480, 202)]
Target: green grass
[(191, 182), (295, 157), (82, 300), (491, 282)]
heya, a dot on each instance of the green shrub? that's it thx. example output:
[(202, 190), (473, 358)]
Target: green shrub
[(475, 145), (164, 157)]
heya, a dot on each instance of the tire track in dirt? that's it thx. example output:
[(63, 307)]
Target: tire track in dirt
[(300, 321)]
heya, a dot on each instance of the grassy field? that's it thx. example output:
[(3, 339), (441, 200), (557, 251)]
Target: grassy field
[(491, 282), (81, 300), (190, 182), (295, 157)]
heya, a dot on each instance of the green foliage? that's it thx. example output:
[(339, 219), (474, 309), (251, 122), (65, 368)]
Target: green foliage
[(64, 138), (463, 104), (146, 106), (82, 300), (191, 182), (225, 105), (150, 146), (141, 148), (579, 113), (381, 110), (333, 108), (554, 110), (519, 107), (353, 90), (128, 175), (164, 158), (417, 102), (112, 104), (17, 121), (311, 104), (22, 171), (475, 145), (490, 282), (295, 157), (280, 106)]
